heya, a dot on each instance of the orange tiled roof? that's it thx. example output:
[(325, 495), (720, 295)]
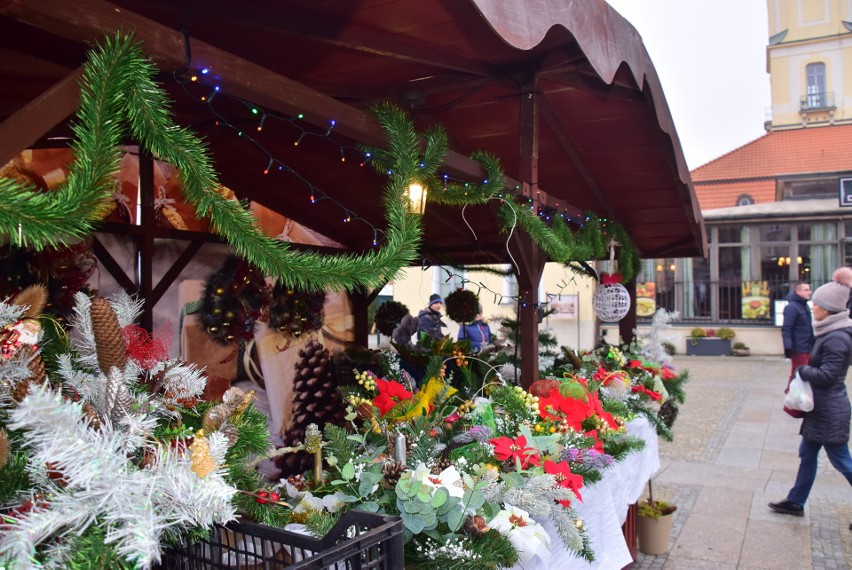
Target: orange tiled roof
[(752, 168)]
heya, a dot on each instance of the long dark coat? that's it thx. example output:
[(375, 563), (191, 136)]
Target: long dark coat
[(828, 363)]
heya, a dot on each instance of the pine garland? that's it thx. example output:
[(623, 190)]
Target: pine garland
[(118, 83)]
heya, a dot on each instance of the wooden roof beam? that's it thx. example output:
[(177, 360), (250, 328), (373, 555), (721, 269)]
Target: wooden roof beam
[(570, 148), (22, 129)]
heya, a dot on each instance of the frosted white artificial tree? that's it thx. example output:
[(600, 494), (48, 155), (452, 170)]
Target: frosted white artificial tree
[(652, 348), (101, 485)]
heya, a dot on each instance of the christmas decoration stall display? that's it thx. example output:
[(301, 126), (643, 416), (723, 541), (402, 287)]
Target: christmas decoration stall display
[(115, 458), (482, 478)]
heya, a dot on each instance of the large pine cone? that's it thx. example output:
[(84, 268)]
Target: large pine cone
[(392, 472), (107, 332), (37, 373), (316, 400)]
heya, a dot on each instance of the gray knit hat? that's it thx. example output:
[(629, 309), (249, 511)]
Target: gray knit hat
[(832, 297)]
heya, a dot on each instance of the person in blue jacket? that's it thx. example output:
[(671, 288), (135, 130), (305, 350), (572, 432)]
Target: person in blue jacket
[(477, 332), (430, 318), (797, 331), (827, 425)]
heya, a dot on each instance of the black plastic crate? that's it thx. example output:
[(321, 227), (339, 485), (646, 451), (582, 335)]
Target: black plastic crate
[(359, 540)]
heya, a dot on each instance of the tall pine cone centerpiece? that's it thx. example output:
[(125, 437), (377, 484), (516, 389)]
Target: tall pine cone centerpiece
[(316, 400)]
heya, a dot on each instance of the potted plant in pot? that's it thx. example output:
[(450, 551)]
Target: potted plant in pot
[(654, 524), (740, 349)]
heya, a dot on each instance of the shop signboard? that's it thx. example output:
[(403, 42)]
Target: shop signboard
[(755, 303), (646, 301)]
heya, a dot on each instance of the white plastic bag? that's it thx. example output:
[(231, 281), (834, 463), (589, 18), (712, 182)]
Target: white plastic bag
[(800, 396)]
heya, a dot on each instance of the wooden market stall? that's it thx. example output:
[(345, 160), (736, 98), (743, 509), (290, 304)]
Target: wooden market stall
[(564, 94)]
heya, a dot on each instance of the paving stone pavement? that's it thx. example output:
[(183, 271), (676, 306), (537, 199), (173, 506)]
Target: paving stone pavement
[(735, 450)]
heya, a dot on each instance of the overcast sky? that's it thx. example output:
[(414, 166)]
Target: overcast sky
[(711, 59)]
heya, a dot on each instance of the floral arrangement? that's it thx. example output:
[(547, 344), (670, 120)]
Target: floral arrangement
[(111, 457), (486, 479)]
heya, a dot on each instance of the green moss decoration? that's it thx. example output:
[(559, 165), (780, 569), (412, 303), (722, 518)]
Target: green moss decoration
[(462, 305), (388, 316)]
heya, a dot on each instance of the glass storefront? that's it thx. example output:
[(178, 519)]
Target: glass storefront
[(749, 267)]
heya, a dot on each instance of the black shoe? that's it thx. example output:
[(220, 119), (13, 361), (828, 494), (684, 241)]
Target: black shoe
[(787, 508)]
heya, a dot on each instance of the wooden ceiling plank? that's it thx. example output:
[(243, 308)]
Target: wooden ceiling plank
[(567, 144), (22, 129), (370, 41)]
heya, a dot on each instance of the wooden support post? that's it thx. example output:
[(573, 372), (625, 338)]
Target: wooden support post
[(145, 243), (361, 300), (528, 257), (627, 325), (531, 262)]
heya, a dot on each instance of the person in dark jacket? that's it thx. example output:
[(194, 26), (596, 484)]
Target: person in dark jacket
[(430, 318), (827, 425), (477, 332), (797, 331)]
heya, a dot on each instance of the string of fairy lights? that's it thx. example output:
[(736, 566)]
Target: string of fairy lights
[(204, 87)]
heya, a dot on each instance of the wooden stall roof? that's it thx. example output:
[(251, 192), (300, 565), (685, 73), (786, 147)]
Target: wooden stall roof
[(605, 138)]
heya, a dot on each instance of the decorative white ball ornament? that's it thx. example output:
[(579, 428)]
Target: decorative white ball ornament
[(611, 302)]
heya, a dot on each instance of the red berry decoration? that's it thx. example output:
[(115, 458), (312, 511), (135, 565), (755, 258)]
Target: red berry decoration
[(274, 497), (261, 497)]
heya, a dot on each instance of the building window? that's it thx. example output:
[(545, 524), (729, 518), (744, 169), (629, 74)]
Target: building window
[(816, 94), (745, 200), (446, 280), (510, 288)]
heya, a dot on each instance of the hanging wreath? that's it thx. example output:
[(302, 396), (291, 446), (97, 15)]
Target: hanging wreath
[(462, 305), (293, 312), (234, 300), (388, 316)]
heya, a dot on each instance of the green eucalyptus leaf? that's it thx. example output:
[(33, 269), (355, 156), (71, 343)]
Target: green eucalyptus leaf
[(413, 523), (455, 519), (348, 471), (440, 497)]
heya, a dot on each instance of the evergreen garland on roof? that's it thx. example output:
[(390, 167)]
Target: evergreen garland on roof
[(119, 96)]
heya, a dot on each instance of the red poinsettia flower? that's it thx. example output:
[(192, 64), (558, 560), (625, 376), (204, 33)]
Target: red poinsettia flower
[(556, 407), (634, 364), (515, 449), (650, 393), (667, 373), (391, 393), (564, 478), (597, 407), (593, 433), (600, 374)]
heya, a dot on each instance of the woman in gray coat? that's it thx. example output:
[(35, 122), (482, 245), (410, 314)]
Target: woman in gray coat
[(828, 424)]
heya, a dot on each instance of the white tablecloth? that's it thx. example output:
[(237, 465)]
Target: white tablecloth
[(604, 508)]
